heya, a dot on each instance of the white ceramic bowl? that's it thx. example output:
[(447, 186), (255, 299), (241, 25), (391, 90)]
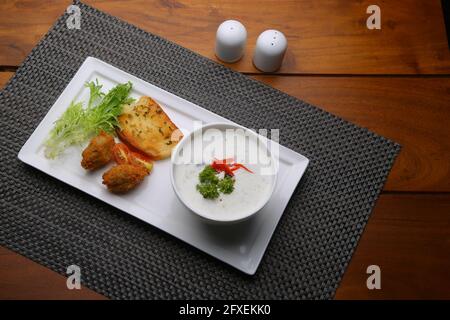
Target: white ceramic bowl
[(211, 217)]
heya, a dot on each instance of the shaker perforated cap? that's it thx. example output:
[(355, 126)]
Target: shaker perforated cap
[(269, 52), (231, 37)]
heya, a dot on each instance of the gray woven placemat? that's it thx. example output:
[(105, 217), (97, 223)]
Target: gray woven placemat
[(121, 257)]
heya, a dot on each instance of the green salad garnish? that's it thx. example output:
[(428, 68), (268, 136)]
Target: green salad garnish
[(211, 185), (78, 124)]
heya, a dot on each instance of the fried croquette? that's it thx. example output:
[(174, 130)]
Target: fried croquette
[(124, 177), (98, 152)]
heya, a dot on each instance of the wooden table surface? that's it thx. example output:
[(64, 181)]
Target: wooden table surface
[(394, 81)]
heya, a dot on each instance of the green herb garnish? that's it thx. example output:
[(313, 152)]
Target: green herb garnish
[(78, 124), (226, 185), (208, 190), (210, 185), (208, 175)]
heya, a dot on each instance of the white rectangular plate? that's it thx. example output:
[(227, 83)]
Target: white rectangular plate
[(155, 201)]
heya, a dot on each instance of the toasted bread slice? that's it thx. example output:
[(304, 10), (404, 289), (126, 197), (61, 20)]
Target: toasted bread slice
[(146, 127)]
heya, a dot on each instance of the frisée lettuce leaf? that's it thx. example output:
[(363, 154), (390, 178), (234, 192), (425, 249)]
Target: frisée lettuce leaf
[(78, 124)]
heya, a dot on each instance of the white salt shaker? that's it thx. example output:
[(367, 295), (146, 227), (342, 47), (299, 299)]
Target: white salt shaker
[(269, 52), (231, 38)]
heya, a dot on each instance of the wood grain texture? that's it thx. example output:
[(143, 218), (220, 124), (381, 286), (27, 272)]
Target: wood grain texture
[(414, 112), (4, 78), (408, 237), (328, 36), (21, 278), (411, 111)]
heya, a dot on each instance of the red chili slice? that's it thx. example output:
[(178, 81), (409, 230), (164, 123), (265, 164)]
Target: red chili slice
[(228, 166), (237, 166), (222, 167), (224, 161)]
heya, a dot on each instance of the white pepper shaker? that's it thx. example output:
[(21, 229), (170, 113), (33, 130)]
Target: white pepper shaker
[(231, 38), (269, 52)]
